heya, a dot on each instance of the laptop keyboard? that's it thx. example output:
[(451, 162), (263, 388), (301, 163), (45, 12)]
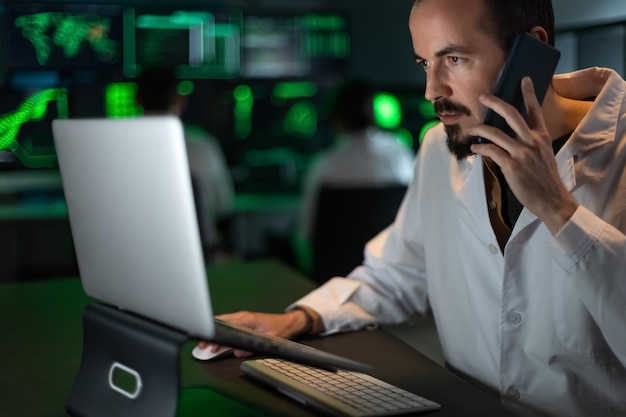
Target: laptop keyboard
[(357, 394)]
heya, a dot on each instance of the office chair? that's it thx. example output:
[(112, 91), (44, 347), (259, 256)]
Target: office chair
[(345, 219)]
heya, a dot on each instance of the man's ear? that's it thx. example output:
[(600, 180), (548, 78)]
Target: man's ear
[(539, 33)]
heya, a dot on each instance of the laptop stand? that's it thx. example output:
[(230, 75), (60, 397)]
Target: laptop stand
[(129, 367)]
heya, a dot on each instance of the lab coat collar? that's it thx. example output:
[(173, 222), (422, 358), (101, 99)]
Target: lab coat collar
[(599, 126)]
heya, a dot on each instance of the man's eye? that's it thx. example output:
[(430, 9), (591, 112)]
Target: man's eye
[(456, 59), (422, 63)]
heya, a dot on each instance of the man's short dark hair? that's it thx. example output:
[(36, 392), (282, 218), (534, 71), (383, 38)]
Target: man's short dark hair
[(505, 18), (156, 89), (508, 17)]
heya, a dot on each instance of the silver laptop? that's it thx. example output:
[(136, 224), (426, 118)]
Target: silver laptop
[(132, 214)]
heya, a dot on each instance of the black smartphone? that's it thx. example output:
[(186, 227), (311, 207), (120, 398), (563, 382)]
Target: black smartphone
[(528, 56)]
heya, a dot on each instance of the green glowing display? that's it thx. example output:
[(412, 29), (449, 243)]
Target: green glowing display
[(328, 44), (178, 19), (294, 89), (425, 128), (33, 109), (301, 119), (327, 35), (323, 22), (185, 88), (70, 32), (119, 100), (426, 109), (388, 115), (244, 103), (387, 110), (405, 137), (212, 48)]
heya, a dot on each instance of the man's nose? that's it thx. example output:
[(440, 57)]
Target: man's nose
[(437, 86)]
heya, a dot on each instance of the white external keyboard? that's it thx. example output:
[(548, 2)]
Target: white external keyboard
[(341, 393)]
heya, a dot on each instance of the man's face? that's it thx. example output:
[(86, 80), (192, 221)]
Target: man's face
[(461, 61)]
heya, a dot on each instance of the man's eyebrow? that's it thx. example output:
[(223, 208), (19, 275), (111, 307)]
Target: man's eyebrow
[(452, 49)]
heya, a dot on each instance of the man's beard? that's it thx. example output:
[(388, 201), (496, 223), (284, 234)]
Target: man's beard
[(458, 144)]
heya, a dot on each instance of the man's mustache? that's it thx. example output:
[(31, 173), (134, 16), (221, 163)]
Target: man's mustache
[(442, 106)]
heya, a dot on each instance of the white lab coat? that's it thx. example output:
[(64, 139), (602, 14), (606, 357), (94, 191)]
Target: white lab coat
[(543, 323)]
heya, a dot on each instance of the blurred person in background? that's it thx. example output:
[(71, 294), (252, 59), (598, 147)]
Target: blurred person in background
[(363, 154), (157, 93)]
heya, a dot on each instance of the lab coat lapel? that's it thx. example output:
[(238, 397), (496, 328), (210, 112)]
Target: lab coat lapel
[(469, 187)]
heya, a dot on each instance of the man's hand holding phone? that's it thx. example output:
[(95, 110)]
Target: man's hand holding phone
[(526, 159), (521, 144)]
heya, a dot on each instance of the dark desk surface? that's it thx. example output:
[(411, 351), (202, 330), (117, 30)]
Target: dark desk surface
[(40, 348)]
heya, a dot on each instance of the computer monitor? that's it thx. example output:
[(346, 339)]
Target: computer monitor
[(26, 140), (269, 129), (294, 45), (198, 43), (63, 37)]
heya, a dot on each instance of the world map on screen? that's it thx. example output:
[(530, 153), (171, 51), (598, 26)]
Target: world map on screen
[(69, 32)]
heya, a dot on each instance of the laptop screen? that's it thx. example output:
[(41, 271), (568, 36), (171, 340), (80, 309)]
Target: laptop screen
[(133, 219), (132, 214)]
